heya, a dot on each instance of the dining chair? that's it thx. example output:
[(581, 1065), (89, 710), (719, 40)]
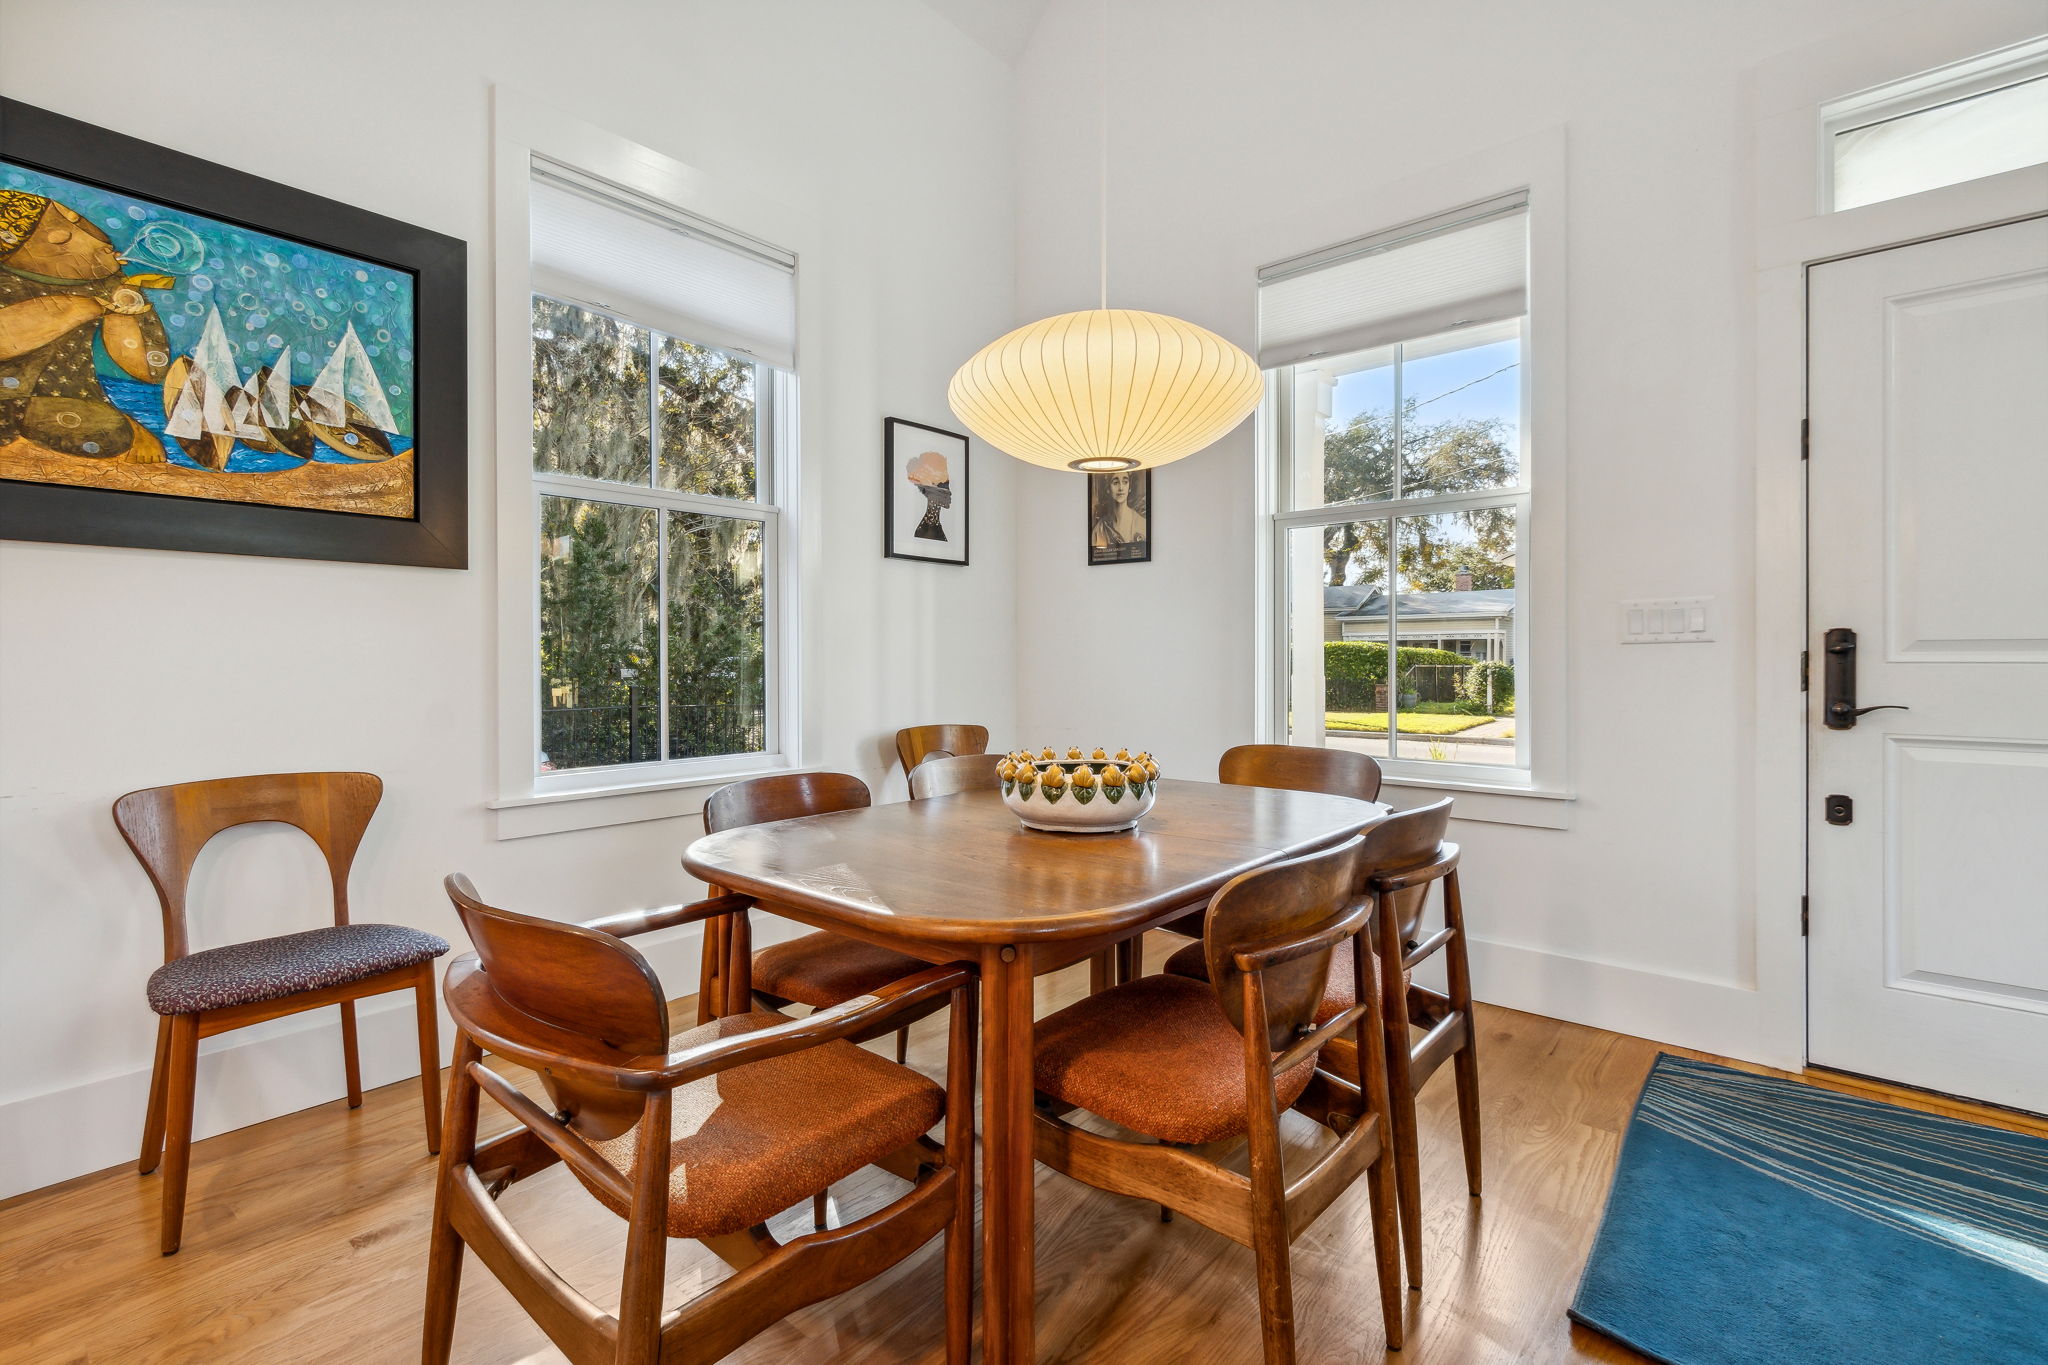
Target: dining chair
[(819, 969), (1404, 855), (1295, 767), (953, 773), (199, 994), (1196, 1065), (916, 743), (704, 1134)]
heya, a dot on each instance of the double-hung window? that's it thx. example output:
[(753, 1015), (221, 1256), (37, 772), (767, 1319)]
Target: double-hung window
[(1396, 424), (663, 391)]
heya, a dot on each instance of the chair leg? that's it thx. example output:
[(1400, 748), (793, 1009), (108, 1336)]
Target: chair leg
[(1458, 976), (351, 1063), (1386, 1253), (1269, 1243), (430, 1053), (902, 1045), (646, 1239), (153, 1118), (710, 977), (821, 1209), (444, 1243), (178, 1087), (1407, 1154), (1467, 1077), (1130, 959)]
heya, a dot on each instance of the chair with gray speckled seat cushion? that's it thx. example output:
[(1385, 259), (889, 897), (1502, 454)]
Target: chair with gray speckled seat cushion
[(197, 995)]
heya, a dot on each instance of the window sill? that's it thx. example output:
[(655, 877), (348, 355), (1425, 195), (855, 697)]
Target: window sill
[(1492, 802), (666, 797)]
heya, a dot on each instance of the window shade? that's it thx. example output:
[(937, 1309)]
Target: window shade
[(648, 262), (1470, 266)]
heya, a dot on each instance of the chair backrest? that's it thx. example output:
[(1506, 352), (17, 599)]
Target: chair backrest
[(1339, 772), (1404, 840), (167, 826), (782, 796), (918, 742), (1297, 898), (947, 775), (570, 978)]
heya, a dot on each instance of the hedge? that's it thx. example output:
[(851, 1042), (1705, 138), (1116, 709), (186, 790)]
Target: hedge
[(1472, 685), (1366, 660)]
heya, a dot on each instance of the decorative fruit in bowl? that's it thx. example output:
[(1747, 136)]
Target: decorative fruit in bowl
[(1076, 795)]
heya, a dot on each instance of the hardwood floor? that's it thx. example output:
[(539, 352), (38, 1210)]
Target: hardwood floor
[(305, 1243)]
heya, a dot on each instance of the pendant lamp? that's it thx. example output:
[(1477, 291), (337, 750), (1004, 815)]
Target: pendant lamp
[(1105, 388)]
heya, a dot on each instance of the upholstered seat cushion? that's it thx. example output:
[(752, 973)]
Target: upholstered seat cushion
[(1339, 995), (272, 968), (823, 970), (747, 1143), (1156, 1055)]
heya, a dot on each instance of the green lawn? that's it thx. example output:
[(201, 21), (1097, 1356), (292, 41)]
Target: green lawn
[(1412, 722)]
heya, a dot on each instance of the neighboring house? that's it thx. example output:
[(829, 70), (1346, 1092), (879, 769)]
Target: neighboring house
[(1480, 624)]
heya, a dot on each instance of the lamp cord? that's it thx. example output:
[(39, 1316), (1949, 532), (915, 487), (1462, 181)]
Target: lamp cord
[(1102, 198)]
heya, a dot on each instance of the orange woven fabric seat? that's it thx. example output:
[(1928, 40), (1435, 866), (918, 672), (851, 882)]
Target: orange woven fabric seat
[(752, 1141), (1338, 996), (823, 970), (1156, 1055)]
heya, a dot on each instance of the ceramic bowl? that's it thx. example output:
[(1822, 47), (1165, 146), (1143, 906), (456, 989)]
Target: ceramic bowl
[(1079, 795)]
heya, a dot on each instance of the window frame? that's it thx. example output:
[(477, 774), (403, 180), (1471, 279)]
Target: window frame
[(526, 802), (1951, 83), (774, 394), (1536, 165), (1286, 520)]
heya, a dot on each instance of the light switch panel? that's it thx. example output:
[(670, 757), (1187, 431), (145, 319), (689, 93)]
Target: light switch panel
[(1667, 621)]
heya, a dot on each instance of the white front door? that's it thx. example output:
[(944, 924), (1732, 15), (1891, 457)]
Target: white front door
[(1928, 537)]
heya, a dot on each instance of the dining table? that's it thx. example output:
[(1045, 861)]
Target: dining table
[(960, 879)]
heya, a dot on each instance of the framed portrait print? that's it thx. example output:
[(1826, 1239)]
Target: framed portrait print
[(925, 499), (194, 358), (1120, 517)]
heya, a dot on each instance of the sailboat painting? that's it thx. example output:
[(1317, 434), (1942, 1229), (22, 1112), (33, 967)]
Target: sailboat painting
[(147, 348)]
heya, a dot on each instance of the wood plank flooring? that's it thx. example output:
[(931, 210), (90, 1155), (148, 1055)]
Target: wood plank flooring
[(305, 1243)]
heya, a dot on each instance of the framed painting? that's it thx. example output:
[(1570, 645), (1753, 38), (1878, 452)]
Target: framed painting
[(1120, 517), (924, 492), (195, 358)]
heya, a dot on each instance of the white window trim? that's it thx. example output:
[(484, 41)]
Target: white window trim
[(1948, 84), (528, 802), (1537, 165)]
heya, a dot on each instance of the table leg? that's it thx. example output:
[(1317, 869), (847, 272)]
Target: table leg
[(1007, 1164)]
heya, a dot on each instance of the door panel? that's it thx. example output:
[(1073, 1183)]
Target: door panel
[(1928, 536)]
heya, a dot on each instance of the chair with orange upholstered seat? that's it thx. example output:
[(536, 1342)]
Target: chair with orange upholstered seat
[(1404, 855), (1190, 1063), (819, 970), (706, 1134)]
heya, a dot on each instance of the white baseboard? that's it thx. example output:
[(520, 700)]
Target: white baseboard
[(262, 1072), (1709, 1016)]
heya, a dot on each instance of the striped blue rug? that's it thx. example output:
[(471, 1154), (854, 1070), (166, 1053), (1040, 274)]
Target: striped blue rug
[(1755, 1219)]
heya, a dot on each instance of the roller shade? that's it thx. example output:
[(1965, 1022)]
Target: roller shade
[(602, 246), (1467, 267)]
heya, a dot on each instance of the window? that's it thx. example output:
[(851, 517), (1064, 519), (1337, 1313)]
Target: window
[(1960, 122), (662, 352), (1396, 425)]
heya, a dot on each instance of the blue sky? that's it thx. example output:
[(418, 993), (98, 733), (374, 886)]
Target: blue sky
[(1490, 371)]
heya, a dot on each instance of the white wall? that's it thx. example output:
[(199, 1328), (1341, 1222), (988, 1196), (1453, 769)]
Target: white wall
[(127, 668), (1244, 133)]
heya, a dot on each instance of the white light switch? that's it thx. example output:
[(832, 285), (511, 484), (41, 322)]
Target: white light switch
[(1666, 621)]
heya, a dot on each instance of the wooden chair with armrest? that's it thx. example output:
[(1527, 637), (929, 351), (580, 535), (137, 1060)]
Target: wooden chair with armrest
[(820, 969), (1196, 1066), (199, 994), (950, 774), (1405, 854), (916, 743), (705, 1134)]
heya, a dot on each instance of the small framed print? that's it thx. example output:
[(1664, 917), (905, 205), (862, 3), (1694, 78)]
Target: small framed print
[(1120, 517), (924, 492)]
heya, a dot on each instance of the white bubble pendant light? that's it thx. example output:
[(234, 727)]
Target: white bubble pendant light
[(1105, 388)]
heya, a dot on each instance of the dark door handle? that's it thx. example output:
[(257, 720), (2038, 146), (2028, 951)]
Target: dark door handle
[(1841, 710)]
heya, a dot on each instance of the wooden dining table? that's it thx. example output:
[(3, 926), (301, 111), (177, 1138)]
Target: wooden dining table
[(959, 878)]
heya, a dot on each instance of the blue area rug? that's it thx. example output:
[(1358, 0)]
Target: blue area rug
[(1755, 1219)]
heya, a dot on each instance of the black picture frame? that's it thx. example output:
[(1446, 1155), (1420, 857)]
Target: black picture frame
[(437, 534), (894, 544), (1095, 491)]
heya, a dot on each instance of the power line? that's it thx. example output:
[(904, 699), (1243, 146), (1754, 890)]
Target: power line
[(1423, 403)]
